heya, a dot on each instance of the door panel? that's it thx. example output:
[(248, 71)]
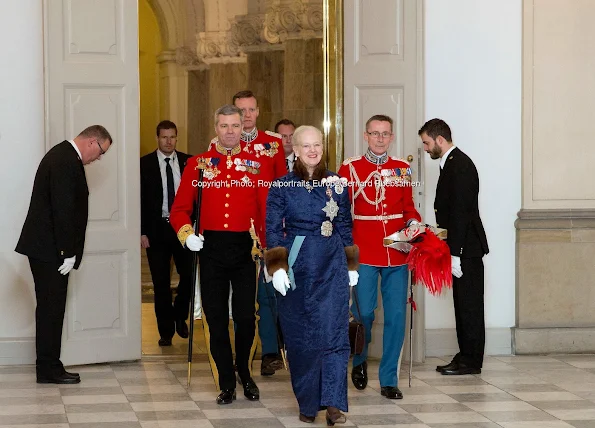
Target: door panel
[(91, 58)]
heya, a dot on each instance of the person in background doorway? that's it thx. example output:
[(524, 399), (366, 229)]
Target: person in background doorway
[(286, 128), (160, 173)]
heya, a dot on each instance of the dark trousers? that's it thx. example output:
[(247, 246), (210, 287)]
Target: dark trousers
[(50, 293), (226, 258), (159, 256), (468, 294)]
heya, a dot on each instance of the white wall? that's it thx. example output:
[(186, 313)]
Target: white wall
[(473, 82), (23, 146)]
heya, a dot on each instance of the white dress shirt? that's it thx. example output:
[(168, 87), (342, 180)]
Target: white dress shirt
[(175, 167), (289, 160), (445, 156), (78, 152)]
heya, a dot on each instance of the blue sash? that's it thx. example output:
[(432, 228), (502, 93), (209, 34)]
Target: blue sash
[(293, 253)]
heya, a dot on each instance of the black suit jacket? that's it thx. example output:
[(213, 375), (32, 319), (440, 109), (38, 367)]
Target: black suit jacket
[(56, 223), (456, 206), (151, 196)]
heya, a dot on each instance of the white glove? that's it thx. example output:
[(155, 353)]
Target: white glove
[(281, 281), (267, 277), (67, 265), (456, 266), (195, 243), (353, 277)]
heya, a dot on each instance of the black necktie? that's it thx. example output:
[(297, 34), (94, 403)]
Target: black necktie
[(170, 184), (287, 164)]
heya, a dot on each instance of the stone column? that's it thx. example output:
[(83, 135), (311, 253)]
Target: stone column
[(555, 308), (303, 89), (173, 88)]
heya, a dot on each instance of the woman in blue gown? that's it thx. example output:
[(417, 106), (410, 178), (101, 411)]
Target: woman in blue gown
[(313, 261)]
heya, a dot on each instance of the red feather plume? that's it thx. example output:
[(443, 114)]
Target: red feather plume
[(429, 262)]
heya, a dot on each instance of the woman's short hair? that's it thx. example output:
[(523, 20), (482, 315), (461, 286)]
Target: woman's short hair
[(297, 134)]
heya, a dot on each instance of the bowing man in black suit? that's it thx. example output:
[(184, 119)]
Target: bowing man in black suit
[(53, 237), (160, 172), (457, 210)]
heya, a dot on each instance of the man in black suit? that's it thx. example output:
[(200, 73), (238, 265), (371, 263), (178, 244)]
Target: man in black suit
[(457, 210), (53, 237), (160, 173)]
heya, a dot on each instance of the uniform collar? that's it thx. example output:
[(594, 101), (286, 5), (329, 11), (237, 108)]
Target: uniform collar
[(248, 137), (226, 152), (375, 159)]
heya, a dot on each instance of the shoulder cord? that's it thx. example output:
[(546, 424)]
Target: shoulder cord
[(380, 191)]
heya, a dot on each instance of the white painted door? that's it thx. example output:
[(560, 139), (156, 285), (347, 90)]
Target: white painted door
[(383, 75), (91, 59)]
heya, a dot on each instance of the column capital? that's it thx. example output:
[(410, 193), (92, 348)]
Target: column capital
[(217, 47), (284, 19)]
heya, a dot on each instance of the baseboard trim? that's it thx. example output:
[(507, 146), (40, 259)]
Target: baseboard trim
[(16, 351), (568, 340), (443, 342)]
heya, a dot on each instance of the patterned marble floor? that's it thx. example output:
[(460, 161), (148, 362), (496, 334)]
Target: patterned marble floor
[(512, 392)]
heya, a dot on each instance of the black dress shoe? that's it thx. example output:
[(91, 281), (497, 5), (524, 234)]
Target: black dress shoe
[(453, 364), (60, 379), (359, 375), (226, 396), (392, 392), (461, 369), (251, 391), (71, 375), (182, 329), (164, 342)]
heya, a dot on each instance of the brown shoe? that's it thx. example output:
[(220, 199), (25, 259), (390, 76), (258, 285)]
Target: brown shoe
[(307, 419), (270, 364), (334, 416)]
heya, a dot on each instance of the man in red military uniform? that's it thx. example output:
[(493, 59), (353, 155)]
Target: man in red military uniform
[(235, 188), (382, 203), (263, 144), (267, 147)]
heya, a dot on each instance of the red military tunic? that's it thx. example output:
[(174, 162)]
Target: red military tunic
[(266, 146), (235, 187), (383, 205)]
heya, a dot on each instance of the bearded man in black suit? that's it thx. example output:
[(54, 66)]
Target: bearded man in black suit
[(457, 210), (53, 237), (160, 174)]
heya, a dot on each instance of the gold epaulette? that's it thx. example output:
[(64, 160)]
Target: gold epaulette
[(274, 134), (184, 232), (214, 141), (399, 159), (351, 159)]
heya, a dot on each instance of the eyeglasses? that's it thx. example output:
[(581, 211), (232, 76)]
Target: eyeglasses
[(377, 134), (100, 149)]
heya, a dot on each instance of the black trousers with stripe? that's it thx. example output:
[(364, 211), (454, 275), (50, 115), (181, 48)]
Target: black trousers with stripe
[(226, 257)]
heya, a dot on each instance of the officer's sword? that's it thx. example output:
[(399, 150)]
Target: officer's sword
[(194, 273)]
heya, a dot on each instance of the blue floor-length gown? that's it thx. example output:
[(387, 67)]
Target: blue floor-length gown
[(315, 315)]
